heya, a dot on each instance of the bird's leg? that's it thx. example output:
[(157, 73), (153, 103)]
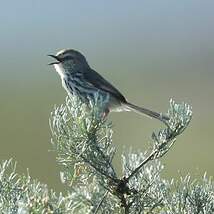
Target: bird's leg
[(105, 113)]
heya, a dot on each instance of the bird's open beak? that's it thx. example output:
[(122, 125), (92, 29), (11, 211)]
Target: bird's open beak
[(55, 57)]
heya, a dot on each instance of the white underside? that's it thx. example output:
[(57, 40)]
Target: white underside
[(119, 108), (60, 70)]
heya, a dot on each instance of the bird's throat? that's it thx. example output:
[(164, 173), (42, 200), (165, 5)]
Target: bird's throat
[(60, 70)]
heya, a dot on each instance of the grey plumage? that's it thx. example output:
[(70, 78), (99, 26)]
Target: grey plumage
[(79, 79)]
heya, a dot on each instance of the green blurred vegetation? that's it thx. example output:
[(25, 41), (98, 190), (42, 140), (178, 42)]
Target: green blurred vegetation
[(25, 133)]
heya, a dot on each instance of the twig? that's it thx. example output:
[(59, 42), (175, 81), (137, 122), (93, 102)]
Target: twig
[(100, 203), (150, 157)]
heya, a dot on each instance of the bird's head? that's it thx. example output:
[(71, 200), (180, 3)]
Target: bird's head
[(68, 60)]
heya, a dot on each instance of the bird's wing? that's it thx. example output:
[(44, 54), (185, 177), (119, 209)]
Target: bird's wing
[(100, 83)]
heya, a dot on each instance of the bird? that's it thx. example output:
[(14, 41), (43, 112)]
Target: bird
[(79, 79)]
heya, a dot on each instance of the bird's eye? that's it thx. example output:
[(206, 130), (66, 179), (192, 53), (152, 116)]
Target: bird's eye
[(67, 58)]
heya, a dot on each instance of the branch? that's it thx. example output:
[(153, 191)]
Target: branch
[(180, 117)]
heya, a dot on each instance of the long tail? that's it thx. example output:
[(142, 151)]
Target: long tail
[(145, 111)]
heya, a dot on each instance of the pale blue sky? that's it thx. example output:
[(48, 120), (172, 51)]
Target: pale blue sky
[(121, 29)]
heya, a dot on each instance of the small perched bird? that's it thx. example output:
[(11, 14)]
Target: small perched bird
[(79, 79)]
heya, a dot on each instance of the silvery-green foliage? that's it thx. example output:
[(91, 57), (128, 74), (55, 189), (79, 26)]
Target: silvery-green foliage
[(82, 135), (82, 140), (142, 171), (23, 195), (189, 196), (147, 183), (180, 116)]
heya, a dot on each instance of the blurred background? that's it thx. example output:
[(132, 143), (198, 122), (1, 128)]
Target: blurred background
[(150, 50)]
